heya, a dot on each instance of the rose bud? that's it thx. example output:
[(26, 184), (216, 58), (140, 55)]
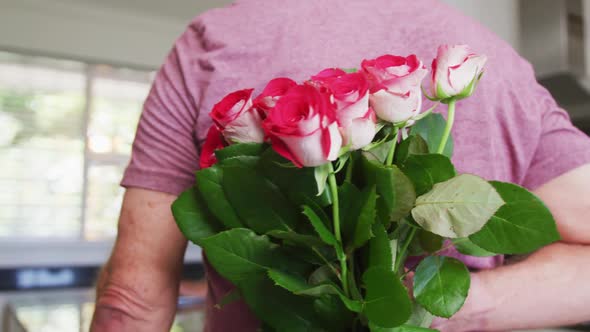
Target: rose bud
[(302, 127), (395, 82), (214, 141), (350, 93), (455, 72), (237, 120), (274, 90)]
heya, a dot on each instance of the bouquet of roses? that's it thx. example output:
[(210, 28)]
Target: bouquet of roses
[(328, 204)]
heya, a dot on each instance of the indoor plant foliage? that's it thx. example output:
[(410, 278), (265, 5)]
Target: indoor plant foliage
[(312, 196)]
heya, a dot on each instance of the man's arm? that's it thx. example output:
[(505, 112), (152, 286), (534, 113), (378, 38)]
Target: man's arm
[(138, 288), (550, 287)]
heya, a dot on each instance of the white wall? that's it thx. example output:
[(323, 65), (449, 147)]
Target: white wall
[(586, 17), (500, 16), (86, 31), (544, 35), (140, 32)]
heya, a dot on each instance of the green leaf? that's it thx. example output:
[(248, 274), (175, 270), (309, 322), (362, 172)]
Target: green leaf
[(466, 247), (378, 153), (278, 308), (193, 217), (241, 149), (348, 196), (412, 145), (316, 255), (403, 328), (387, 303), (365, 218), (420, 316), (231, 297), (334, 315), (458, 207), (239, 253), (321, 174), (241, 161), (380, 249), (430, 242), (431, 128), (395, 190), (209, 184), (324, 233), (322, 274), (296, 238), (257, 201), (405, 194), (441, 285), (357, 210), (298, 286), (292, 283), (427, 170), (318, 211), (297, 183), (522, 225)]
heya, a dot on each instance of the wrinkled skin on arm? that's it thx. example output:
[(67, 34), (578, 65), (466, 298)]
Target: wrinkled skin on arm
[(138, 288)]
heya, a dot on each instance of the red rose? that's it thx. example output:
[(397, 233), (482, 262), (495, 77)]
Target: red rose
[(302, 127), (274, 90), (214, 141), (455, 71), (351, 96), (237, 120), (396, 95)]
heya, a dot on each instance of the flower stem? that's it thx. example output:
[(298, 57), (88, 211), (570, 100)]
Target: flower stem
[(336, 220), (389, 160), (449, 126), (400, 256)]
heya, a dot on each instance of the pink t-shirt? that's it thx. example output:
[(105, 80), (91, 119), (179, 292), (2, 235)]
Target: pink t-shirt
[(510, 130)]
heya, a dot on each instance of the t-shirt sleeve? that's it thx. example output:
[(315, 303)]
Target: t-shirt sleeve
[(561, 147), (165, 152)]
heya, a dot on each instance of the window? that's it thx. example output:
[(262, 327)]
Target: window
[(66, 130)]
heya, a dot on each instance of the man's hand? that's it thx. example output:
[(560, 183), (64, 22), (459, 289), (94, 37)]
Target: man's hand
[(138, 288), (550, 287)]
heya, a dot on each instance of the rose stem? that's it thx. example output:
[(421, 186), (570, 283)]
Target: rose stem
[(400, 257), (336, 220), (389, 160), (447, 132)]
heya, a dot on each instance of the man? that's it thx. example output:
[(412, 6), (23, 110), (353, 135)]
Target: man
[(510, 130)]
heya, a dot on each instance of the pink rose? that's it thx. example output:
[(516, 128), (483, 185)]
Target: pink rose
[(302, 127), (237, 120), (274, 90), (351, 96), (214, 141), (456, 71), (396, 94)]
